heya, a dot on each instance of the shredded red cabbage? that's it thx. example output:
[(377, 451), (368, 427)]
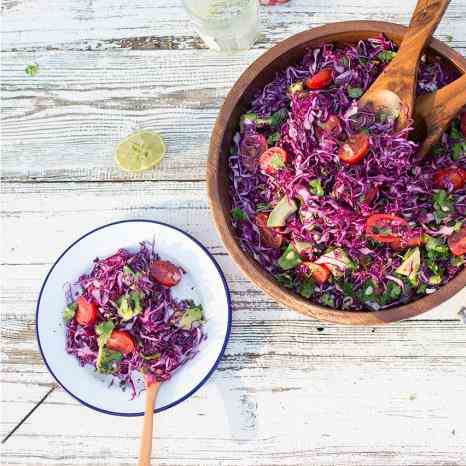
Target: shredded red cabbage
[(161, 344), (389, 180)]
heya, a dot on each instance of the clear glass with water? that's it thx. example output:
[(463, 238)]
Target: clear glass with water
[(224, 24)]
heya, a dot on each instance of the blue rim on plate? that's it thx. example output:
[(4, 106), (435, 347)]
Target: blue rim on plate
[(222, 351)]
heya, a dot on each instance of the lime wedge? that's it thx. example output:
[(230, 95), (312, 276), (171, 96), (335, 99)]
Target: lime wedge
[(140, 151)]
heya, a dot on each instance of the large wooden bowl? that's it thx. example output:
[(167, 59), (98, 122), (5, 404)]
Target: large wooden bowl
[(254, 78)]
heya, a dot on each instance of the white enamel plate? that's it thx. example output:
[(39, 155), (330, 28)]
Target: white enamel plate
[(203, 282)]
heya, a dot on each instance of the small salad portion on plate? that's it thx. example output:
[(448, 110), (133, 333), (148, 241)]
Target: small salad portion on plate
[(140, 298), (122, 318)]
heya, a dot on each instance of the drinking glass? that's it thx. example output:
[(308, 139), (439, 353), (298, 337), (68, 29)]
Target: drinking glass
[(224, 24)]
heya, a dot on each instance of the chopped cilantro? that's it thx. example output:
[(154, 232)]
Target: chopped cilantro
[(347, 288), (443, 204), (391, 293), (421, 289), (238, 215), (69, 311), (273, 138), (306, 288), (31, 70), (278, 117), (386, 55), (284, 279), (315, 186), (435, 279), (354, 92), (327, 300), (455, 133), (458, 150)]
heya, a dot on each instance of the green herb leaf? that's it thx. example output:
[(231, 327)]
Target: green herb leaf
[(354, 92), (315, 186), (435, 279), (279, 117), (327, 300), (448, 38), (386, 56), (273, 138), (69, 311), (442, 203), (191, 316), (238, 215), (455, 132), (285, 279), (391, 293), (421, 289), (31, 70), (306, 288), (458, 150)]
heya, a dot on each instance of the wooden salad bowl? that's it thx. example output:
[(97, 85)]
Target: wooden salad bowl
[(254, 78)]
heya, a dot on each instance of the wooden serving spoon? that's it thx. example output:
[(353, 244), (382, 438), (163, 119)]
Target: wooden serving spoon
[(394, 90), (433, 112), (145, 449)]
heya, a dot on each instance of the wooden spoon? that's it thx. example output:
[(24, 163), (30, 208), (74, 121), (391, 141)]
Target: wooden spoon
[(145, 449), (394, 90), (433, 112)]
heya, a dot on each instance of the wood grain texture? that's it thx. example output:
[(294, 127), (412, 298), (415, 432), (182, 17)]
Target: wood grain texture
[(289, 391)]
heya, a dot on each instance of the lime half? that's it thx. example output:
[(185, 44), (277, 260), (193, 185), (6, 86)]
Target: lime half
[(140, 151)]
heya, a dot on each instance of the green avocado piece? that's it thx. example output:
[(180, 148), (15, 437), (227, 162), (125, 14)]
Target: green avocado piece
[(281, 212), (129, 305), (191, 315), (302, 246), (289, 259), (410, 265), (105, 360), (69, 311)]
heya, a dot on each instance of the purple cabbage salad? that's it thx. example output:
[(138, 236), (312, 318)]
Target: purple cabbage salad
[(121, 318), (332, 200)]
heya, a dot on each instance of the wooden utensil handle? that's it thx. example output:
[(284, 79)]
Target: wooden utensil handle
[(424, 21), (148, 425)]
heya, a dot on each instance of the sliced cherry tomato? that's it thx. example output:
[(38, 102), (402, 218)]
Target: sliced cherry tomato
[(409, 240), (354, 149), (386, 228), (320, 80), (463, 123), (319, 272), (270, 237), (120, 341), (165, 273), (86, 313), (331, 124), (457, 242), (272, 160), (452, 175), (251, 147)]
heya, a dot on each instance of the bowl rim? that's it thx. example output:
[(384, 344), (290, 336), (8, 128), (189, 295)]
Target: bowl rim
[(216, 362), (249, 267)]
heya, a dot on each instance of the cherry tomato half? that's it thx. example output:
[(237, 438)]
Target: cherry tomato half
[(386, 228), (331, 124), (120, 341), (319, 272), (451, 175), (272, 160), (165, 273), (463, 123), (457, 242), (354, 149), (86, 313), (320, 80), (270, 237)]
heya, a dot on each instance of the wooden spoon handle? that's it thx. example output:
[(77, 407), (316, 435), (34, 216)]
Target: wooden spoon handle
[(438, 109), (148, 425)]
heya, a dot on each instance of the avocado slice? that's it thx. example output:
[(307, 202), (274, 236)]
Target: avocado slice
[(289, 259), (281, 212), (410, 265), (302, 246), (337, 260)]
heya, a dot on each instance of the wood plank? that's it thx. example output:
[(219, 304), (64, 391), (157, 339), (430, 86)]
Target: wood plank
[(79, 25)]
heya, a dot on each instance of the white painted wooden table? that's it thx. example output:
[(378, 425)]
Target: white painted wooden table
[(290, 390)]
